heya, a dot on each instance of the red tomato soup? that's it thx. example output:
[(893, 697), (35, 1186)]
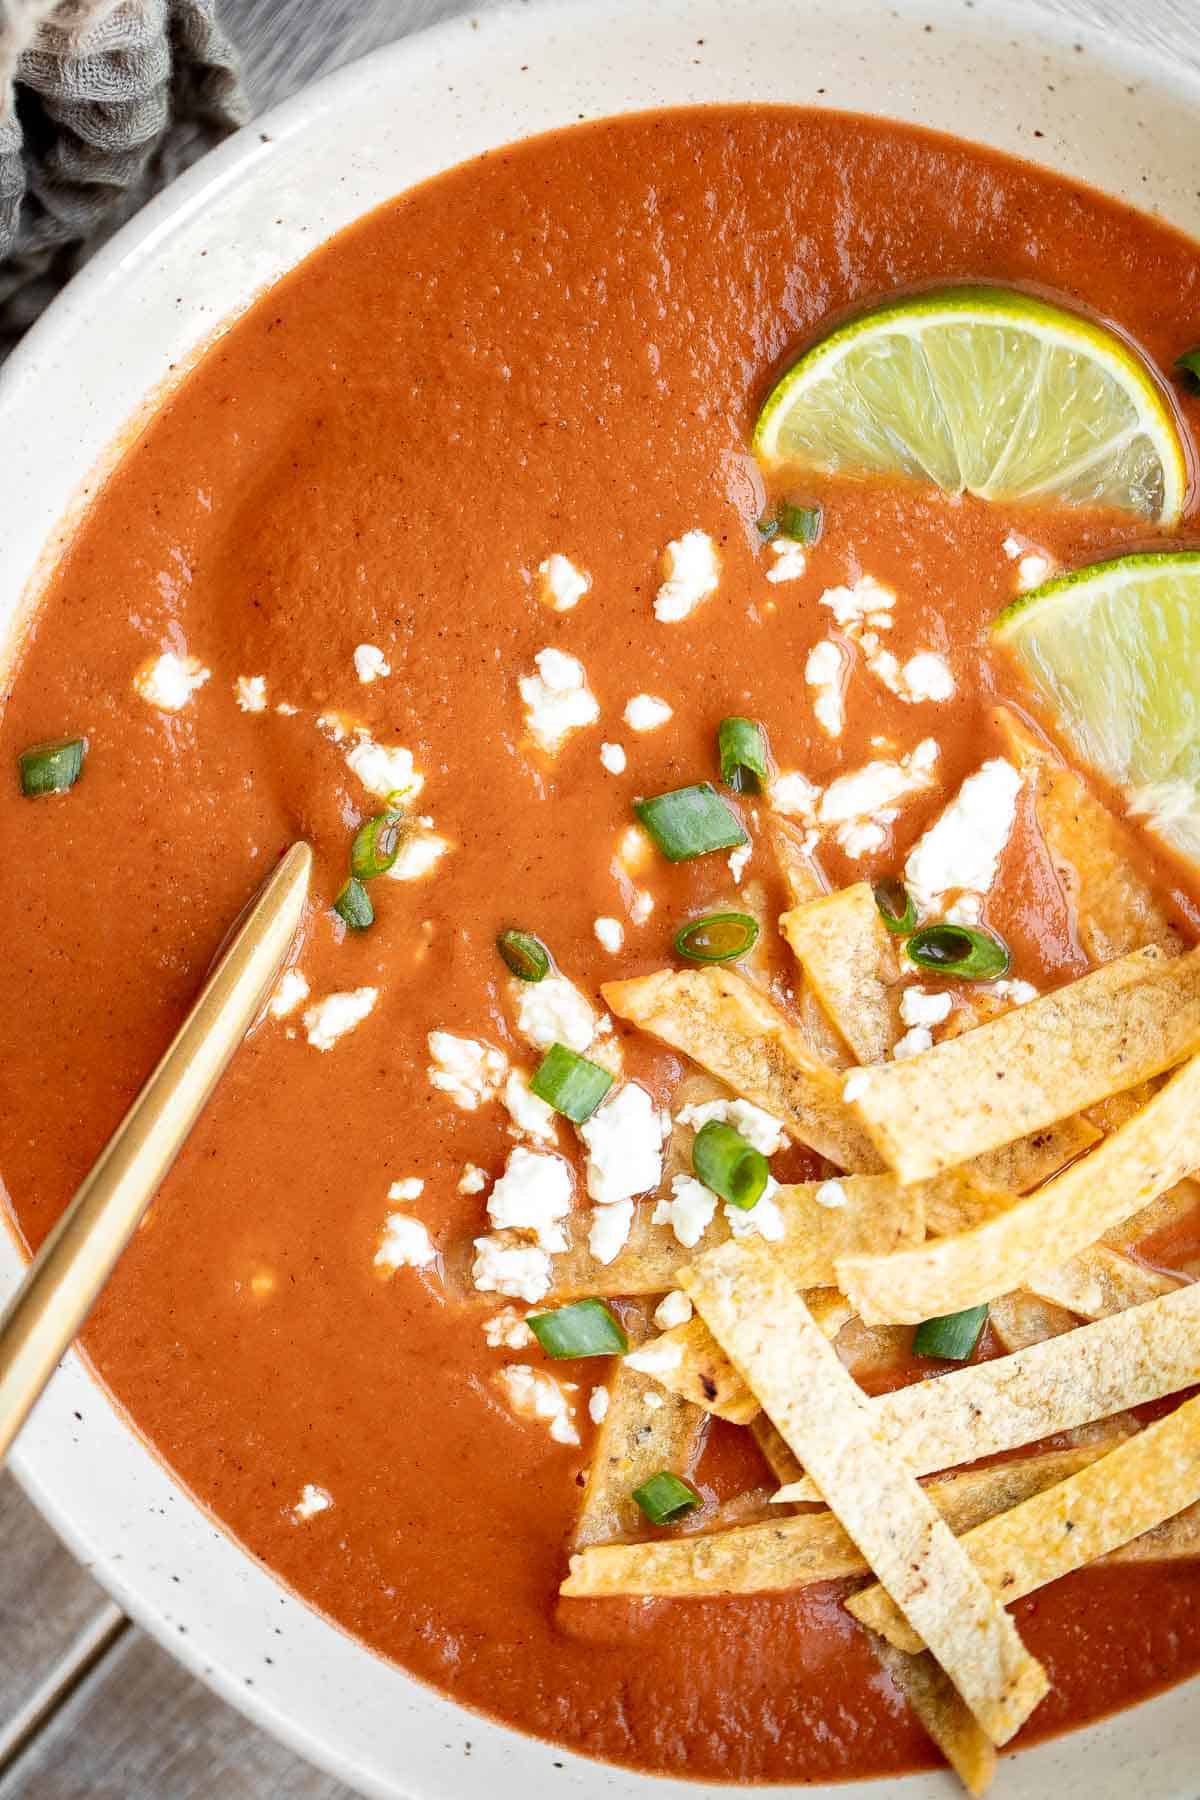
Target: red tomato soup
[(463, 435)]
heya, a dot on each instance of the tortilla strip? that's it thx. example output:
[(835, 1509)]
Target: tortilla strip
[(1036, 1064), (1175, 1540), (849, 960), (1094, 856), (768, 1333), (776, 1455), (1143, 1481), (1089, 1373), (1044, 1229), (735, 1032), (1177, 1204), (647, 1264), (1020, 1319), (1100, 1281), (933, 1699), (793, 1553), (634, 1442), (1016, 1168)]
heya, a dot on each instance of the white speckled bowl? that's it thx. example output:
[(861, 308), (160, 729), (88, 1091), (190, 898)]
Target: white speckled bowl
[(89, 370)]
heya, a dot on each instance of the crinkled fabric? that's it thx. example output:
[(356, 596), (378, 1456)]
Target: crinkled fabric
[(102, 102)]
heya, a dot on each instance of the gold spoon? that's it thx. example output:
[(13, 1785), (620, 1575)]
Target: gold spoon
[(77, 1258)]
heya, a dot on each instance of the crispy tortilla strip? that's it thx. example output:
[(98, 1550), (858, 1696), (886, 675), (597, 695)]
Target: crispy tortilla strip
[(776, 1455), (849, 960), (634, 1442), (768, 1333), (738, 1035), (802, 879), (1143, 1481), (1037, 1064), (1020, 1319), (948, 1720), (1089, 1373), (1094, 857), (1039, 1232), (792, 1553), (1020, 1167), (1171, 1208), (1100, 1281), (647, 1264), (1175, 1540)]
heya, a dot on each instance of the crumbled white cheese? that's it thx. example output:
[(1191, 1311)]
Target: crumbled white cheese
[(673, 1309), (507, 1330), (763, 1219), (855, 1084), (557, 699), (790, 560), (1019, 992), (410, 1188), (825, 673), (641, 905), (533, 1394), (652, 1401), (553, 1011), (831, 1194), (331, 1018), (370, 664), (169, 681), (521, 1271), (291, 992), (861, 805), (689, 1211), (338, 726), (914, 1041), (967, 910), (613, 758), (868, 602), (560, 584), (692, 571), (961, 851), (624, 1146), (645, 712), (251, 692), (919, 1007), (313, 1500), (658, 1357), (862, 837), (926, 676), (795, 796), (405, 1244), (1032, 570), (384, 771), (469, 1071), (635, 850), (287, 710), (609, 1230), (473, 1179), (533, 1195), (738, 859), (610, 933), (419, 854), (598, 1405), (760, 1130), (528, 1112)]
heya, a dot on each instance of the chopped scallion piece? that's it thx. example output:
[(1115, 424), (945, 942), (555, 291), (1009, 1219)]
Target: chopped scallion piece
[(727, 1164), (570, 1083), (353, 905), (768, 527), (690, 822), (665, 1499), (717, 937), (896, 907), (802, 523), (376, 845), (742, 748), (953, 1337), (525, 955), (51, 768), (1189, 368), (959, 950), (587, 1328)]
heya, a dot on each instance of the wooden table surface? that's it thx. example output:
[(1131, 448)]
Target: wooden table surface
[(91, 1708)]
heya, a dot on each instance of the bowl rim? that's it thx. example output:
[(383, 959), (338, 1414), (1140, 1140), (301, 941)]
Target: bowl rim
[(130, 1523)]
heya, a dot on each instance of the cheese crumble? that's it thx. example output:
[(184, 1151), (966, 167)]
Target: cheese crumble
[(533, 1394), (825, 673), (557, 699), (528, 1113), (331, 1018), (313, 1500), (689, 1212), (561, 585), (507, 1330), (691, 572), (469, 1071), (760, 1130), (624, 1145), (790, 560), (291, 991), (673, 1309), (410, 1188), (521, 1271), (598, 1405), (370, 664), (861, 806), (913, 1043), (473, 1179), (250, 691), (919, 1007), (553, 1011), (738, 860), (405, 1244), (609, 1230), (420, 852), (610, 933), (533, 1195), (613, 758), (645, 712), (830, 1194), (961, 851), (169, 681), (384, 771)]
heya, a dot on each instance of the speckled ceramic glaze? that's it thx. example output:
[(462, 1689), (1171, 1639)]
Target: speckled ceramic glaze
[(77, 387)]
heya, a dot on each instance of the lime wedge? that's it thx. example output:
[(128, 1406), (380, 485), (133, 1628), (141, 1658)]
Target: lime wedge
[(985, 390), (1114, 651)]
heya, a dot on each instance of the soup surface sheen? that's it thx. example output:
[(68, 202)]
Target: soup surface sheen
[(559, 349)]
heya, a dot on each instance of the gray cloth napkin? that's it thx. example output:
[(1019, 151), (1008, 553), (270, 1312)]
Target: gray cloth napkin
[(101, 103)]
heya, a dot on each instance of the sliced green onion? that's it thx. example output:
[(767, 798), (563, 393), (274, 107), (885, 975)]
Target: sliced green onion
[(742, 748), (1189, 368), (525, 955), (51, 768), (665, 1498), (376, 845), (717, 937), (586, 1328), (896, 906), (727, 1164), (768, 527), (570, 1084), (690, 822), (953, 1337), (959, 950), (802, 523), (353, 905)]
